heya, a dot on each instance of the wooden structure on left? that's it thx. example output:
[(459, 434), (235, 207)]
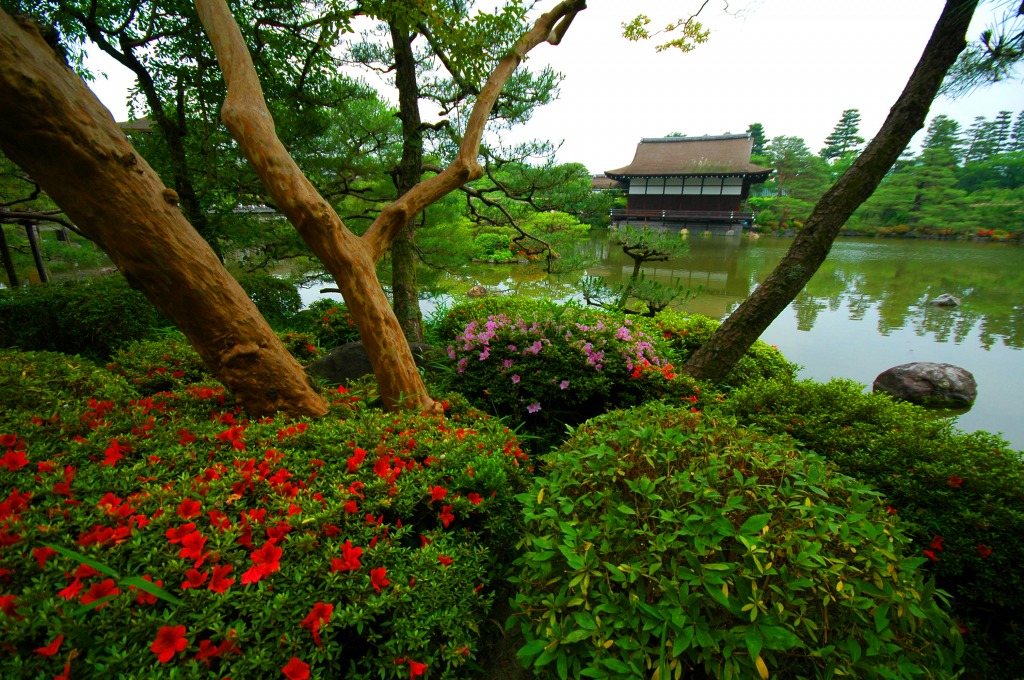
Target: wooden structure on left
[(690, 181)]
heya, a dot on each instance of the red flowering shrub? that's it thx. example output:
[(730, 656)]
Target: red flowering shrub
[(161, 365), (213, 545), (329, 323)]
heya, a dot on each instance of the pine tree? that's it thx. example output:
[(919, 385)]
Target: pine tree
[(1002, 129), (756, 130), (1017, 134), (844, 138), (944, 133), (982, 143)]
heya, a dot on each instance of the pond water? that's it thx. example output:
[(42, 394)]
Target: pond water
[(864, 311)]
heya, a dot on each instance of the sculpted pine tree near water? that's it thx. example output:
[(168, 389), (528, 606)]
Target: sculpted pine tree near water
[(63, 136)]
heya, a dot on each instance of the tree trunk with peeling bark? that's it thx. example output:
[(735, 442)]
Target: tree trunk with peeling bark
[(55, 128), (715, 358), (351, 259)]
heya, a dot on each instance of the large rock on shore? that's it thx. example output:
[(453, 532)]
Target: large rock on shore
[(347, 363), (929, 384)]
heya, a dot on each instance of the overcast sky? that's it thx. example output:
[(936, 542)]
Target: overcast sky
[(791, 65)]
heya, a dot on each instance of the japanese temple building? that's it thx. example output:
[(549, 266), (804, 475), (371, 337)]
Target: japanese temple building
[(690, 181)]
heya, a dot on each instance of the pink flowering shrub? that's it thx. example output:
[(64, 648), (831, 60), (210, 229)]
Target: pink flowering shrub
[(170, 535), (546, 371)]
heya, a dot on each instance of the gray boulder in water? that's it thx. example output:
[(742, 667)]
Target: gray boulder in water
[(945, 300), (929, 384), (346, 363)]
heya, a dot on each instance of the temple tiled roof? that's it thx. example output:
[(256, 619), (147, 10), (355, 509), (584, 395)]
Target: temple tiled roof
[(680, 156)]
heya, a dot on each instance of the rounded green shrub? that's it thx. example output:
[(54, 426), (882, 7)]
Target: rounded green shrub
[(278, 300), (328, 322), (493, 248), (170, 536), (960, 496), (546, 373), (686, 332), (92, 318), (302, 346), (667, 543), (163, 365), (45, 384)]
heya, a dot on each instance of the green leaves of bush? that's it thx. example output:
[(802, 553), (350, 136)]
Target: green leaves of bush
[(959, 496), (91, 318), (671, 543)]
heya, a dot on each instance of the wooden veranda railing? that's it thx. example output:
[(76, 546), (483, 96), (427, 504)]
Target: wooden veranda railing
[(704, 216)]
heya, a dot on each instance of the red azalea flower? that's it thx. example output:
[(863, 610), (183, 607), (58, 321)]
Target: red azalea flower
[(266, 560), (72, 591), (194, 579), (189, 508), (9, 606), (437, 493), (356, 459), (43, 554), (115, 452), (50, 649), (444, 559), (474, 498), (931, 555), (349, 560), (14, 460), (891, 510), (219, 520), (175, 535), (169, 641), (296, 669), (938, 543), (143, 597), (984, 551), (378, 578), (8, 440), (192, 547), (219, 582), (446, 515), (954, 481), (85, 571), (97, 591), (416, 669), (319, 616), (351, 507)]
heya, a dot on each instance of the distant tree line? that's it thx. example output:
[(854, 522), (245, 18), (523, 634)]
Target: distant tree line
[(964, 181)]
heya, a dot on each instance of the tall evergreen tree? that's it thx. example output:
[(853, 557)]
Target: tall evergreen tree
[(1017, 134), (844, 138), (756, 130), (981, 140), (944, 133), (1002, 128)]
